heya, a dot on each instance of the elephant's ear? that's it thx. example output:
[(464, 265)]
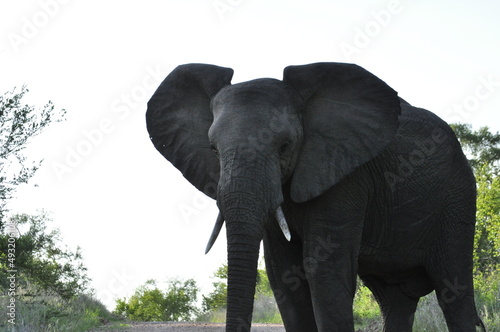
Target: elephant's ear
[(179, 116), (349, 116)]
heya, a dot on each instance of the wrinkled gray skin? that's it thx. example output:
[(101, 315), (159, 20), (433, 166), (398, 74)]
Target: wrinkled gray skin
[(369, 185)]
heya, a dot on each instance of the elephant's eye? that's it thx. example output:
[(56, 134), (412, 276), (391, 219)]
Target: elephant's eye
[(284, 148), (214, 149)]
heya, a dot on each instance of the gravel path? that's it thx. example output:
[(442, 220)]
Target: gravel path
[(202, 327), (183, 327)]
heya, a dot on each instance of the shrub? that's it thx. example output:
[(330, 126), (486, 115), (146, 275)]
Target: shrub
[(151, 304), (51, 313), (265, 309), (488, 299), (365, 308)]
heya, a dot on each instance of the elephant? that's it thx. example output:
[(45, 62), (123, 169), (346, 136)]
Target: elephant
[(338, 177)]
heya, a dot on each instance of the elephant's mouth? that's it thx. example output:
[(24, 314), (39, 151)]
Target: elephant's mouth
[(280, 217)]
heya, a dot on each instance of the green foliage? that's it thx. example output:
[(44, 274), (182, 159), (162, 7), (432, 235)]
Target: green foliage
[(367, 316), (46, 281), (49, 313), (365, 308), (145, 305), (180, 300), (263, 286), (40, 259), (50, 279), (18, 124), (482, 146), (265, 308), (487, 289), (217, 299), (487, 236), (429, 317), (151, 304), (483, 149)]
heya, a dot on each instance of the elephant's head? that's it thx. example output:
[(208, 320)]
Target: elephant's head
[(241, 143)]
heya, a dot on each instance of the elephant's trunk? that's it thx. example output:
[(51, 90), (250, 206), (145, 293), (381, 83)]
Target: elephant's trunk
[(248, 195), (243, 255)]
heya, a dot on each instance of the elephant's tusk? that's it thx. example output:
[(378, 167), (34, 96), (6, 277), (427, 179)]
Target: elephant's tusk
[(282, 222), (215, 232)]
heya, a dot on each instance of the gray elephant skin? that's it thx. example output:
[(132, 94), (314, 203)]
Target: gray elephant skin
[(338, 177)]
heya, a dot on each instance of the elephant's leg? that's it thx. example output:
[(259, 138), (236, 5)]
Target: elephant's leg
[(330, 263), (452, 280), (288, 281), (456, 299), (333, 284), (450, 268), (331, 247), (397, 308)]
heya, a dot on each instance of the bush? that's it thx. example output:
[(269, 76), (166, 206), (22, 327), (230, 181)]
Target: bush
[(217, 298), (50, 313), (265, 309), (488, 299), (213, 316), (214, 304), (39, 258), (45, 281), (151, 304), (19, 123), (429, 317), (365, 308)]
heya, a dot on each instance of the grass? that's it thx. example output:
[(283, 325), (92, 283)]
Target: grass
[(429, 317), (265, 311), (488, 300), (216, 316), (47, 313), (367, 317), (366, 310)]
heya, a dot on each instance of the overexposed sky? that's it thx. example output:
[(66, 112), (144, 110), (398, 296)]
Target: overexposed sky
[(111, 193)]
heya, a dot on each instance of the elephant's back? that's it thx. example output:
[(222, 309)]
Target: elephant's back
[(414, 176), (424, 153)]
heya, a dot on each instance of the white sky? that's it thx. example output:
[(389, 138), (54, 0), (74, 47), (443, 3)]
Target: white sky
[(109, 190)]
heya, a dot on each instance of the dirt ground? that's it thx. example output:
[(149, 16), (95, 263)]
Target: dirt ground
[(201, 327), (182, 327)]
